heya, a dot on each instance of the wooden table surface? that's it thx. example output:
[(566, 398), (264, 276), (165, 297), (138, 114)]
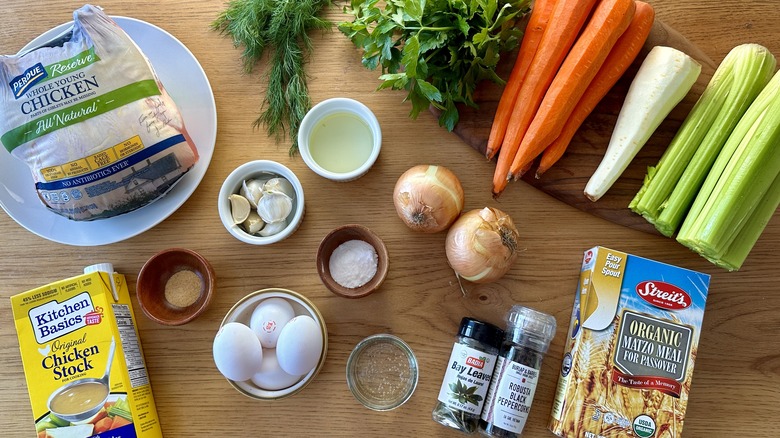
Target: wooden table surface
[(736, 385)]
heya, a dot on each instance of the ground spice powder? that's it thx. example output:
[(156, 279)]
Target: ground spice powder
[(183, 288)]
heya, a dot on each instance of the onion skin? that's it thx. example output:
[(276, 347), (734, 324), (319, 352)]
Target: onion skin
[(482, 245), (428, 198)]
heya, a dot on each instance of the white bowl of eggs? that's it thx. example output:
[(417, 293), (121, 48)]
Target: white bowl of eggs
[(271, 344)]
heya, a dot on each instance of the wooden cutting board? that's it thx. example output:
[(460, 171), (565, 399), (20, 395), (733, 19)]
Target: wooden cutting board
[(567, 178)]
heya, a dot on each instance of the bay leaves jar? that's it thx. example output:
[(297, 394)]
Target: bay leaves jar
[(467, 379)]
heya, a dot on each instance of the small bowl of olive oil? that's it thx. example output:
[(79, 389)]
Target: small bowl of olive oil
[(340, 139)]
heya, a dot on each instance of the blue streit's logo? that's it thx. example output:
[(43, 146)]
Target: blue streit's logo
[(20, 84)]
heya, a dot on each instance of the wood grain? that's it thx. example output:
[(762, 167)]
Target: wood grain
[(737, 379), (566, 180)]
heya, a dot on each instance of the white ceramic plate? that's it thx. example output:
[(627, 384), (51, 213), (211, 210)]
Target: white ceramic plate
[(186, 82)]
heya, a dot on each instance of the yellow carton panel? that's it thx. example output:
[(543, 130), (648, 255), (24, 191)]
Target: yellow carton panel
[(82, 358)]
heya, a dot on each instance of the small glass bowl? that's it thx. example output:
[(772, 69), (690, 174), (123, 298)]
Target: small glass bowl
[(382, 372)]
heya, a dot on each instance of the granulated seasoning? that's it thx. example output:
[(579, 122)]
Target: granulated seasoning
[(353, 263), (183, 288)]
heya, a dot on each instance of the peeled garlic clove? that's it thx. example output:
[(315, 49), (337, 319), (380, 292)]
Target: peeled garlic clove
[(274, 207), (279, 185), (252, 190), (239, 208), (273, 228), (253, 223)]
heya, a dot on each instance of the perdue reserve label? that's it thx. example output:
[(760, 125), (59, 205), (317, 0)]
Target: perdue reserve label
[(629, 354)]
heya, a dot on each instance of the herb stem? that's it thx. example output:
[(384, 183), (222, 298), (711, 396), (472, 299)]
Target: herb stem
[(498, 18), (434, 29), (432, 55)]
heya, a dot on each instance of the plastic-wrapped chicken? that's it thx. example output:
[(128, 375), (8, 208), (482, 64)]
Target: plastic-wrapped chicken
[(90, 118)]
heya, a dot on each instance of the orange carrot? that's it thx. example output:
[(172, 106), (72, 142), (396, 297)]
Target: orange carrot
[(104, 425), (568, 17), (619, 59), (102, 413), (609, 21), (119, 422), (534, 30)]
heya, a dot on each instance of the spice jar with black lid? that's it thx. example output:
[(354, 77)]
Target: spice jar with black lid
[(528, 335), (468, 374)]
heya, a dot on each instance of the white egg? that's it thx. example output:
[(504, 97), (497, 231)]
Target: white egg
[(300, 345), (237, 352), (271, 376), (268, 318)]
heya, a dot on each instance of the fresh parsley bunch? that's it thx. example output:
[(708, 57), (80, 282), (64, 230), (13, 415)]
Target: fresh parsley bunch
[(436, 50)]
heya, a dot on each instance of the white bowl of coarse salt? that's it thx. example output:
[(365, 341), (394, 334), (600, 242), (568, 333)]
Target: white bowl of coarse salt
[(352, 261)]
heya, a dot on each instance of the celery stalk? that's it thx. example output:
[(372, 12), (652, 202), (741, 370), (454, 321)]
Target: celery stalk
[(743, 173), (745, 125), (676, 156), (668, 192), (740, 248), (750, 78)]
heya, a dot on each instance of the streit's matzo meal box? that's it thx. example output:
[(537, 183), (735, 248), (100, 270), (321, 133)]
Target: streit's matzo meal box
[(630, 349), (83, 361)]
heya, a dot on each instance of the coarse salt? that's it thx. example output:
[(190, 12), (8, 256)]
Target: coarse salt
[(353, 263)]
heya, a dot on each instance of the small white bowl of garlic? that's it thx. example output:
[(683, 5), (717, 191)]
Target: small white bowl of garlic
[(261, 202)]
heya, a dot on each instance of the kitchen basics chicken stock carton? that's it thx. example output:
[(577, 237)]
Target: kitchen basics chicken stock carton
[(630, 349), (82, 359)]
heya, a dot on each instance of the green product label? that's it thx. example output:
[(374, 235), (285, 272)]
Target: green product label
[(644, 426), (72, 64), (78, 113)]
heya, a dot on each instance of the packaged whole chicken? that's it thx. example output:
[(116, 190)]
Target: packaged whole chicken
[(89, 117)]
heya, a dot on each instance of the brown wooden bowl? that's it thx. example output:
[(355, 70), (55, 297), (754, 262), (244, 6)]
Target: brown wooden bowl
[(332, 241), (154, 275)]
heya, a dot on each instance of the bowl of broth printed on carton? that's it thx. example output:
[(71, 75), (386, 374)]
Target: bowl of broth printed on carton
[(629, 353), (82, 358)]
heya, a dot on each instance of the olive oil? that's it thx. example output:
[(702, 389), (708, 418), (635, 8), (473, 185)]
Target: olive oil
[(341, 142)]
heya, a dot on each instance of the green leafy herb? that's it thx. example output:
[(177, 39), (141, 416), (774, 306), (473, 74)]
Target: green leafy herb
[(281, 26), (436, 50), (464, 394)]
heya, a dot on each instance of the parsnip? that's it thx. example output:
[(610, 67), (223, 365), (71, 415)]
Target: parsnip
[(663, 79)]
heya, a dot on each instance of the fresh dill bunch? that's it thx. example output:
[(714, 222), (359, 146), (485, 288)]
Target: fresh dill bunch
[(282, 27)]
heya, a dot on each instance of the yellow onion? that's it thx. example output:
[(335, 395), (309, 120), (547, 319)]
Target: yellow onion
[(482, 245), (428, 198)]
